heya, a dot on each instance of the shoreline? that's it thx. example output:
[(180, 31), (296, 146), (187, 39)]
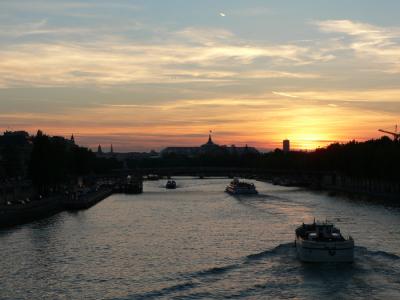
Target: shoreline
[(353, 193), (19, 214), (22, 212)]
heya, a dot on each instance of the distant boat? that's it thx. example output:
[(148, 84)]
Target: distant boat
[(153, 177), (323, 242), (237, 187), (132, 185), (171, 184)]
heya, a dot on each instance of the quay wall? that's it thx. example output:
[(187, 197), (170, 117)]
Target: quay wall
[(363, 186), (21, 213), (335, 182)]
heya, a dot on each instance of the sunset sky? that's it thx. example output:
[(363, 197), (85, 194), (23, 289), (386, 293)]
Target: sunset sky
[(148, 74)]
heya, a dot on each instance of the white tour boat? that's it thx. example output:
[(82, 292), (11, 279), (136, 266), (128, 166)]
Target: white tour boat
[(323, 242), (237, 187)]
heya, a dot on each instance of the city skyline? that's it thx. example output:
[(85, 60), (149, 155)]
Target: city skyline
[(145, 75)]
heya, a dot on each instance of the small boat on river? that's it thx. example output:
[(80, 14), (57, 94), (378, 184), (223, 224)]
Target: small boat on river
[(323, 242), (237, 187), (171, 184), (153, 177)]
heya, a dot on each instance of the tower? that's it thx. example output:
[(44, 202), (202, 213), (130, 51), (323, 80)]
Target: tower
[(99, 150), (209, 138), (286, 146), (72, 139), (111, 149)]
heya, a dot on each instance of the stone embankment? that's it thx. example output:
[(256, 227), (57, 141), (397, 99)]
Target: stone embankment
[(15, 212)]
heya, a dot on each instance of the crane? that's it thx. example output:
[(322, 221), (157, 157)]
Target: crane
[(395, 134)]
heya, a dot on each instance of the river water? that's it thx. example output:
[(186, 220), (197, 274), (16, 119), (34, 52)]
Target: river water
[(197, 242)]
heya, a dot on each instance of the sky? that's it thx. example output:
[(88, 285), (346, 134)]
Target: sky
[(148, 74)]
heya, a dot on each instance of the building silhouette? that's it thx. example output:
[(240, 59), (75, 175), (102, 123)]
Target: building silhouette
[(286, 146), (210, 147), (99, 150)]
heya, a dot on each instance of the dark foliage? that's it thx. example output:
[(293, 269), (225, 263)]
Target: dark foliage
[(106, 165), (56, 160), (371, 159), (15, 150), (203, 160)]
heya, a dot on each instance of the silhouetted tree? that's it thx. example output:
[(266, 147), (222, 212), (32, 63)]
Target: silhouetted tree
[(15, 150)]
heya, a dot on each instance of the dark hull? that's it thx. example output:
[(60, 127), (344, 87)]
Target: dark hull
[(240, 191), (171, 185), (311, 251)]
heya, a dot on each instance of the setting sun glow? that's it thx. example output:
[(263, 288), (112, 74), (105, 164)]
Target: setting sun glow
[(153, 78)]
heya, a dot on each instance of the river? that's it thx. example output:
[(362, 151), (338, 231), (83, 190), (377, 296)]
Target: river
[(197, 242)]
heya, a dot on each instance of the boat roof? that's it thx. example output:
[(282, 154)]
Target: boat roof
[(323, 223)]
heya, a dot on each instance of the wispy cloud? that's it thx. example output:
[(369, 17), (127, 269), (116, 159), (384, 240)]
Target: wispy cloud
[(156, 125), (204, 36), (216, 57), (102, 67), (39, 28), (284, 94), (365, 95), (51, 6), (369, 41), (59, 34), (363, 30)]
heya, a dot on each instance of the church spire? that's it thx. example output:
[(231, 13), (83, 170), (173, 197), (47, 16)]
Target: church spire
[(99, 150), (209, 138), (111, 149), (210, 144)]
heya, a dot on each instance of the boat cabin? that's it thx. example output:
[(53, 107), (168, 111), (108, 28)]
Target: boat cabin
[(319, 231), (324, 229)]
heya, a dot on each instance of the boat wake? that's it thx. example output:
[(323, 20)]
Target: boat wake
[(277, 273)]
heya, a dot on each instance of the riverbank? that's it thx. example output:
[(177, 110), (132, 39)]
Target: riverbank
[(337, 184), (21, 213), (25, 212), (88, 200), (15, 211)]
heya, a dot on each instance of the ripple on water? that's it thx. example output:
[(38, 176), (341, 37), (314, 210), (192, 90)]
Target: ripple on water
[(277, 273), (197, 242)]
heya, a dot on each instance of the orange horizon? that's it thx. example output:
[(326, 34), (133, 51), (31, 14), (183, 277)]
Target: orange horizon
[(157, 83), (130, 141)]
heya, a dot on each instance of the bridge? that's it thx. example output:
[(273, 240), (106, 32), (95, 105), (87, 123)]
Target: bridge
[(285, 177)]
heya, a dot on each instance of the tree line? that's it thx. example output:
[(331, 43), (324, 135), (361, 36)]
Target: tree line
[(377, 158), (48, 160), (51, 160)]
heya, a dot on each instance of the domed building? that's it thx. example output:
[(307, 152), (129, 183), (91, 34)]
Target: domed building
[(209, 148)]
